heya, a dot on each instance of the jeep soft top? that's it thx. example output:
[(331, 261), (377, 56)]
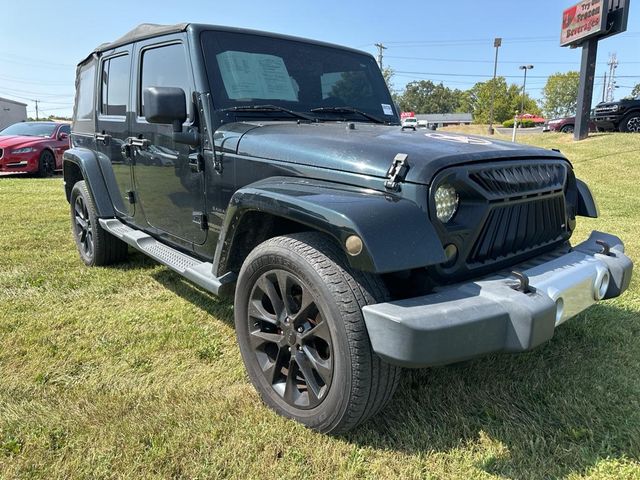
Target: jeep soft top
[(275, 170)]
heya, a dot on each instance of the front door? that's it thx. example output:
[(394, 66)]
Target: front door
[(170, 193), (113, 127)]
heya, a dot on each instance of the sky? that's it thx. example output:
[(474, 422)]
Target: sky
[(449, 42)]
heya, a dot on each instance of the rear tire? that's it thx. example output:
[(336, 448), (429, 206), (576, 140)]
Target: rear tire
[(309, 356), (630, 123), (95, 245)]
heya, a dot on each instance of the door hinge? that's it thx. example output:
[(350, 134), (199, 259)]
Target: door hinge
[(200, 219), (196, 162), (217, 162), (397, 172), (131, 196)]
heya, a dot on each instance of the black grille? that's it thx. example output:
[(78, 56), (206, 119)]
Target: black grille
[(521, 179), (519, 227)]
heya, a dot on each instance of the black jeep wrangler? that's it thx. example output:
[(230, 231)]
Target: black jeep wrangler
[(623, 115), (275, 170)]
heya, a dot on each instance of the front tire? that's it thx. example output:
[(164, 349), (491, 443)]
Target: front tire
[(567, 129), (301, 332), (46, 164), (630, 123), (95, 245)]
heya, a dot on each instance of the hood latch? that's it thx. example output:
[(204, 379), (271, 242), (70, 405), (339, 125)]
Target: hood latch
[(397, 172)]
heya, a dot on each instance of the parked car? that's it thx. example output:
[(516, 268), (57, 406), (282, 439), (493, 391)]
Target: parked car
[(410, 122), (566, 124), (351, 248), (535, 119), (623, 115), (33, 147)]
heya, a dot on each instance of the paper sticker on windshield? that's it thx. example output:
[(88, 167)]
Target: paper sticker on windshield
[(249, 76), (386, 108)]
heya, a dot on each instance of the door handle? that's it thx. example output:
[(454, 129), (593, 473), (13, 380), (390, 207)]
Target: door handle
[(103, 137), (141, 143)]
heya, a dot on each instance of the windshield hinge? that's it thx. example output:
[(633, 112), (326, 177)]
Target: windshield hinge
[(397, 172), (200, 218)]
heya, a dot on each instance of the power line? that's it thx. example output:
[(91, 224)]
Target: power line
[(20, 60), (451, 60)]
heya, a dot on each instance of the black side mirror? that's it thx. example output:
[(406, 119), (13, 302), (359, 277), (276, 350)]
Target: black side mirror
[(166, 105)]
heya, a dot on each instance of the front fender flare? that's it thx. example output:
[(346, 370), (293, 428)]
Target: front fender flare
[(396, 233), (86, 161)]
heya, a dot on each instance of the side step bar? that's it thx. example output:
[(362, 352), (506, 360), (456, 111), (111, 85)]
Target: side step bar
[(200, 273)]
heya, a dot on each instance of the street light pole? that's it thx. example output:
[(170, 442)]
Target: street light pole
[(496, 43), (524, 85)]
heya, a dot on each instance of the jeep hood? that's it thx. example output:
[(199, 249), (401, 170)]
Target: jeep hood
[(369, 149)]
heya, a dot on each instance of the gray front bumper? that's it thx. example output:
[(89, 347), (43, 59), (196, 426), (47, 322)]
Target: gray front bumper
[(463, 321)]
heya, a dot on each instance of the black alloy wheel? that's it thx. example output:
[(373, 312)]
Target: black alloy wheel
[(302, 335), (95, 245), (567, 129), (83, 228), (46, 164), (290, 339)]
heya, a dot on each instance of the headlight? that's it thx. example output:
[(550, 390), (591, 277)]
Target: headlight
[(23, 150), (447, 200), (553, 122)]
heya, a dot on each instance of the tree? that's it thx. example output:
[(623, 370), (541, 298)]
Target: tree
[(636, 91), (508, 100), (561, 94), (424, 96), (388, 73)]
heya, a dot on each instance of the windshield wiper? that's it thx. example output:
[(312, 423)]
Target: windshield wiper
[(269, 108), (348, 110)]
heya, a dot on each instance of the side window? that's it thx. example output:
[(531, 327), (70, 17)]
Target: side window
[(164, 66), (115, 85), (84, 93)]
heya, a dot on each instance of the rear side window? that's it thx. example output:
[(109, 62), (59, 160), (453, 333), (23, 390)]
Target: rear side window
[(164, 66), (115, 85), (84, 92)]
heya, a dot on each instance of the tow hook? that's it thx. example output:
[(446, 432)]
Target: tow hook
[(606, 249), (523, 282)]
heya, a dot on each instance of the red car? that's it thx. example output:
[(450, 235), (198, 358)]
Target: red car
[(33, 147), (566, 124)]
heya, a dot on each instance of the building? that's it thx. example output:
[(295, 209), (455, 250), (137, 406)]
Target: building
[(11, 112), (444, 119)]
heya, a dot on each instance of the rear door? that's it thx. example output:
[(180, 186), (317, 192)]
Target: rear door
[(113, 126), (170, 193)]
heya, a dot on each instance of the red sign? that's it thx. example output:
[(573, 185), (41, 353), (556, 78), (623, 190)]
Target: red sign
[(404, 115), (586, 19)]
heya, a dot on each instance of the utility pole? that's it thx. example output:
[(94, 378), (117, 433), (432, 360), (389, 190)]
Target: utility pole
[(604, 85), (496, 43), (37, 118), (613, 64), (381, 47)]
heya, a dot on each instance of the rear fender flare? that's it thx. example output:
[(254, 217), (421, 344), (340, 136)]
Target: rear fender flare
[(86, 161)]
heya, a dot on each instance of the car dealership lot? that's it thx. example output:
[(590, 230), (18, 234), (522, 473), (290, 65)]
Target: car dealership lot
[(132, 372)]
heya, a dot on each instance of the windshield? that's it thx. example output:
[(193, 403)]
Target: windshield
[(30, 129), (247, 69)]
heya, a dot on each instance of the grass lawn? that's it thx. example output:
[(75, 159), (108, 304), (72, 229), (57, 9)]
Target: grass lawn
[(130, 372)]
